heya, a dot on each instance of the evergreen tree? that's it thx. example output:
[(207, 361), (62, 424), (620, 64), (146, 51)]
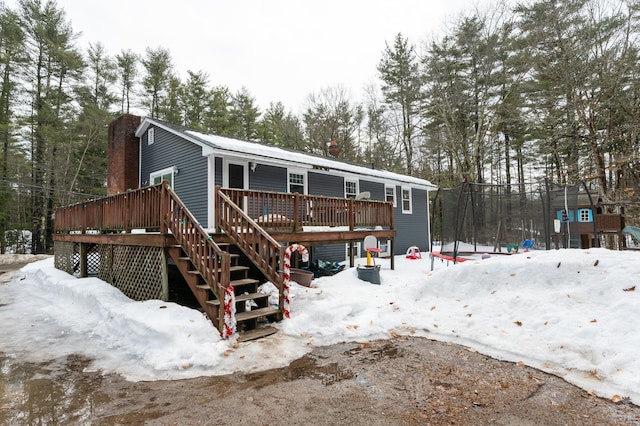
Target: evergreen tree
[(55, 66), (170, 105), (157, 78), (217, 119), (402, 89), (11, 60), (280, 128), (244, 115), (193, 98), (127, 63)]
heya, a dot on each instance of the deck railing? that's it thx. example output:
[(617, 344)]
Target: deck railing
[(138, 209), (143, 209), (286, 211), (251, 238), (208, 258)]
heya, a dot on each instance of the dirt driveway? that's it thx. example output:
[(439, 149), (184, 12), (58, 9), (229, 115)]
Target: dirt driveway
[(402, 381)]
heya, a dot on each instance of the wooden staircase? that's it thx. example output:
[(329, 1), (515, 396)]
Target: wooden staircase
[(209, 268), (251, 306)]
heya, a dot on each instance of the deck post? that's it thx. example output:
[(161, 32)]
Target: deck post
[(393, 257), (296, 212), (164, 209), (164, 274), (217, 207), (351, 254), (84, 270), (352, 216)]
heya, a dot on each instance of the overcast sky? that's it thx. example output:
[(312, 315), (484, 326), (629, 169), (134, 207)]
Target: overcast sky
[(281, 50)]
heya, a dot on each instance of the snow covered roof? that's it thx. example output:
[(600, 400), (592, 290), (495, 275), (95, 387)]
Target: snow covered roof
[(256, 151)]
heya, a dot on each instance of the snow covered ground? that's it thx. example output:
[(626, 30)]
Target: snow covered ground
[(568, 312)]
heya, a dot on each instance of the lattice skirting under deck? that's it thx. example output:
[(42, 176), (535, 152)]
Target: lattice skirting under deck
[(66, 256), (139, 272)]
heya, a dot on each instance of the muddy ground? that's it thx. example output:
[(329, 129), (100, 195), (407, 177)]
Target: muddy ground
[(401, 381)]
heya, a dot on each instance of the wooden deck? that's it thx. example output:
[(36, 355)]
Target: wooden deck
[(304, 219), (150, 225)]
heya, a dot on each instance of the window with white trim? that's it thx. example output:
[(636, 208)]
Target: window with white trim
[(151, 135), (406, 200), (350, 188), (390, 194), (164, 174), (296, 183)]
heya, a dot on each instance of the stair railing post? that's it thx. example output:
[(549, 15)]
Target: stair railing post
[(164, 209), (296, 211), (217, 209), (352, 215)]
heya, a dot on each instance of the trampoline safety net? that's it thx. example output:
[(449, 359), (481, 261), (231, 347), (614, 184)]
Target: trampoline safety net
[(479, 218)]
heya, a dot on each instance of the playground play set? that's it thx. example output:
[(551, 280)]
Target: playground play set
[(476, 220)]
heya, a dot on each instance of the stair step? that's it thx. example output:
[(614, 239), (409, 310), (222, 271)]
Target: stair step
[(256, 313), (243, 282), (241, 298), (236, 268), (257, 333)]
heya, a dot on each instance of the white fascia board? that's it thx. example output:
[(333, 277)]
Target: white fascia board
[(146, 122)]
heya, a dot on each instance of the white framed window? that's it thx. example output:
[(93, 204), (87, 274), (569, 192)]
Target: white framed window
[(350, 188), (390, 194), (164, 174), (151, 136), (297, 183), (406, 201), (357, 249)]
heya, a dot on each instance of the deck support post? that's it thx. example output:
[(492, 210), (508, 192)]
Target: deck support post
[(84, 249), (393, 257), (351, 256), (164, 275)]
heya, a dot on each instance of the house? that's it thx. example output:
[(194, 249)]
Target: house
[(217, 217), (195, 164)]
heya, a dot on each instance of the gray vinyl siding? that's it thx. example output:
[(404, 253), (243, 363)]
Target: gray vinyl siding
[(325, 184), (375, 188), (218, 172), (411, 229), (268, 178), (328, 186), (190, 183)]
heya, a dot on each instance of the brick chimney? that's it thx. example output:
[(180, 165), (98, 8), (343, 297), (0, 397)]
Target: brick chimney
[(334, 149), (123, 154)]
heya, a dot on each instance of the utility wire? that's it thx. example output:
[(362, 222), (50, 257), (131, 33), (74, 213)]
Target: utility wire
[(51, 189)]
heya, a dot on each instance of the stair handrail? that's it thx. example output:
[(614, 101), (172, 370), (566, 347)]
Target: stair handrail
[(256, 243), (210, 260)]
